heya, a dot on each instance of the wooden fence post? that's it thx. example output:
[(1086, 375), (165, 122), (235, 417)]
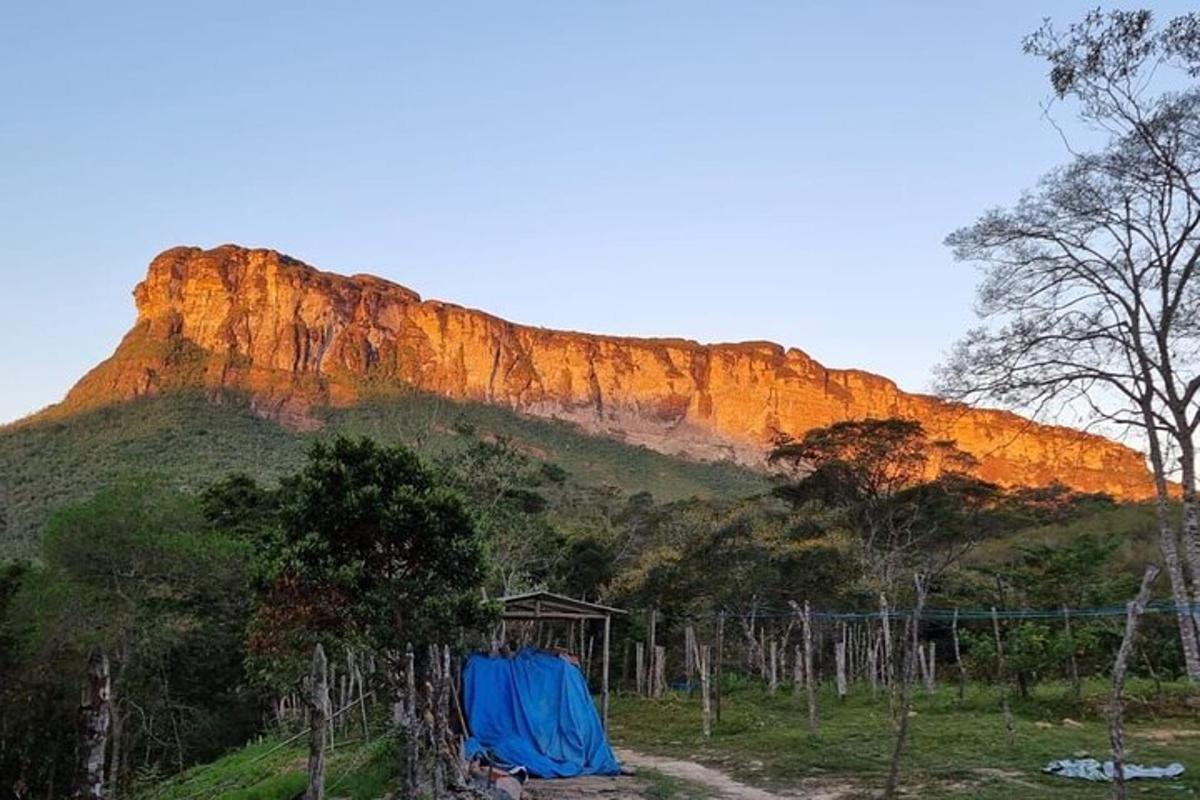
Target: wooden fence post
[(660, 668), (810, 680), (873, 664), (639, 666), (625, 650), (797, 672), (652, 652), (1072, 664), (604, 673), (720, 652), (773, 682), (925, 661), (587, 664), (907, 676), (962, 670), (689, 653), (839, 655), (764, 667), (94, 719), (1002, 676), (318, 720), (1133, 611), (705, 702), (362, 700), (412, 716)]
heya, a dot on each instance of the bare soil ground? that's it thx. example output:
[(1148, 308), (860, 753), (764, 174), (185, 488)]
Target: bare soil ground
[(622, 787), (713, 783)]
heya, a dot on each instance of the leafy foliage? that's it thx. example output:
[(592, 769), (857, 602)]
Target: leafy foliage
[(135, 572), (905, 497), (194, 440), (376, 549)]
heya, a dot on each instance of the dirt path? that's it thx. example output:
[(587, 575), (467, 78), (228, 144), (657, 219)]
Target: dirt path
[(716, 782)]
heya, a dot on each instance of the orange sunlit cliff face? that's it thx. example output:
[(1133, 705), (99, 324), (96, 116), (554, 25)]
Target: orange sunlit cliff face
[(295, 338)]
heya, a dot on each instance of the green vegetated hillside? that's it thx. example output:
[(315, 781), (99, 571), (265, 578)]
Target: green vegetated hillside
[(193, 439), (1133, 525)]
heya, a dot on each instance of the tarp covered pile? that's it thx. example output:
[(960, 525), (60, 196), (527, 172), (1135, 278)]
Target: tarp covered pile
[(533, 710)]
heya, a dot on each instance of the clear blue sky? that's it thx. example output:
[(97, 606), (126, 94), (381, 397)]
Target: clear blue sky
[(720, 171)]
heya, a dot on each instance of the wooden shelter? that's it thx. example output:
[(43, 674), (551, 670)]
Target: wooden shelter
[(547, 606)]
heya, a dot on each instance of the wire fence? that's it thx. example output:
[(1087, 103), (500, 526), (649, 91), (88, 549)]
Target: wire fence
[(966, 614)]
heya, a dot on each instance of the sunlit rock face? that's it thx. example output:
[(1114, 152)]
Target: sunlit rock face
[(296, 338)]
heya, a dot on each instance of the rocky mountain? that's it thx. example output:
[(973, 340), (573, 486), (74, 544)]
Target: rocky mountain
[(298, 339)]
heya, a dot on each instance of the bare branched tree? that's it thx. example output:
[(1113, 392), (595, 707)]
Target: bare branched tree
[(1089, 295)]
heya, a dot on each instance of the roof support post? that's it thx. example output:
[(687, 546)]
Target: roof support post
[(604, 674)]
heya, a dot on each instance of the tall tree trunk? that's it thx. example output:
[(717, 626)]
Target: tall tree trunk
[(94, 718), (116, 701), (1169, 545), (1190, 521), (318, 710), (114, 758), (1134, 611)]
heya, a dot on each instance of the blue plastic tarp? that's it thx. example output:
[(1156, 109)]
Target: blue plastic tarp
[(533, 710)]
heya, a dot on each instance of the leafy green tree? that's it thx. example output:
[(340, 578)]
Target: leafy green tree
[(135, 572), (1078, 573), (907, 498), (503, 487), (586, 568), (238, 505), (371, 548)]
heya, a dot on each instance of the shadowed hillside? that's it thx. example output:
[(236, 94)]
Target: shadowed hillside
[(194, 440)]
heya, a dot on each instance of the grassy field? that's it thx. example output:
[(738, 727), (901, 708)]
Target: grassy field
[(192, 440), (357, 770), (954, 750), (268, 771)]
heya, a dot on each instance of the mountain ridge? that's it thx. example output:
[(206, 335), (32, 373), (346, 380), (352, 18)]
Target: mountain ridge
[(297, 338)]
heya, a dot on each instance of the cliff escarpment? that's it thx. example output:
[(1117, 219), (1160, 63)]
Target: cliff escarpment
[(295, 338)]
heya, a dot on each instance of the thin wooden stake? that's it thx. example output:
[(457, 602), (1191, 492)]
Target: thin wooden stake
[(604, 672), (962, 670), (1003, 678), (639, 668), (810, 681), (873, 664), (773, 682), (689, 653), (412, 716), (797, 672), (839, 656), (719, 658), (705, 702), (907, 678), (652, 653), (1072, 664)]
